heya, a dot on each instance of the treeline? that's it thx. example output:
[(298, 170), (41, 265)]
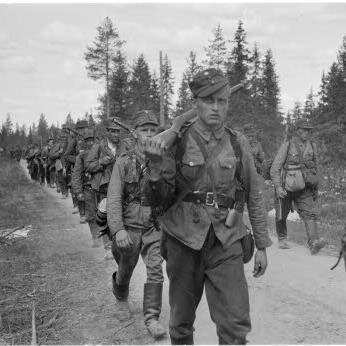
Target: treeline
[(12, 135), (133, 86), (326, 109)]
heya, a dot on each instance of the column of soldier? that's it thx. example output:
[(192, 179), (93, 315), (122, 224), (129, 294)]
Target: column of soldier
[(179, 196)]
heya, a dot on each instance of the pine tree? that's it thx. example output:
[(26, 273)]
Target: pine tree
[(167, 76), (140, 85), (100, 56), (216, 52)]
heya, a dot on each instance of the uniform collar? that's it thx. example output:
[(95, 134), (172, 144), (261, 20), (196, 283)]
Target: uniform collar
[(206, 133)]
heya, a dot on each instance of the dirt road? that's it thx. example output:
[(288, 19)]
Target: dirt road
[(299, 300)]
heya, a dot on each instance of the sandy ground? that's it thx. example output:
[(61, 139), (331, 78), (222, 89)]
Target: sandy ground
[(299, 300)]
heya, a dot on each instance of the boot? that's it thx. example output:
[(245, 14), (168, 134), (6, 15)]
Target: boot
[(315, 244), (283, 244), (82, 219), (152, 303), (121, 293), (186, 340)]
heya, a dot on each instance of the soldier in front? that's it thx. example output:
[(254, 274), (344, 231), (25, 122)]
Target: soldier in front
[(204, 184), (133, 228), (294, 175)]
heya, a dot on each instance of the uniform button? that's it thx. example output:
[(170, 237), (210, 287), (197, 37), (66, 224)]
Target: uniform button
[(190, 163)]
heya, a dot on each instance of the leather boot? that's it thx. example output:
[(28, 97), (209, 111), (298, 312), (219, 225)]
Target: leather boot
[(186, 340), (121, 293), (152, 303), (315, 243)]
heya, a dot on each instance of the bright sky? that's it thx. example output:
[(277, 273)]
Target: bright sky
[(42, 69)]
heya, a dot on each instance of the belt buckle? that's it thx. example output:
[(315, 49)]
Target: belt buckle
[(209, 199)]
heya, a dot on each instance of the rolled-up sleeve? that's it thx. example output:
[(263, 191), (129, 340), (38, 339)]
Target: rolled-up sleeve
[(254, 198), (114, 200)]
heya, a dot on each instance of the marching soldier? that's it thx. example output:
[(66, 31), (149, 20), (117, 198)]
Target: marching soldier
[(204, 184), (99, 164), (294, 174), (133, 229), (51, 172), (81, 185), (256, 147), (55, 155)]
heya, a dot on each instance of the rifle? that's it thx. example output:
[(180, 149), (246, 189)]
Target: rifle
[(75, 132)]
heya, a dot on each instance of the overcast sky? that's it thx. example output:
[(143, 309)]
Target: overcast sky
[(42, 69)]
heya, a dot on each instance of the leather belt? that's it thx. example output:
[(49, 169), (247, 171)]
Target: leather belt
[(208, 198)]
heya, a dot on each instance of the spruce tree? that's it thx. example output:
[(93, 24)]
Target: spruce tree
[(168, 83), (42, 128), (184, 94), (239, 59), (140, 81), (155, 94), (216, 52), (119, 87)]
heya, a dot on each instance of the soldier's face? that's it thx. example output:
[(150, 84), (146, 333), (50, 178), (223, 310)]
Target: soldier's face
[(147, 130), (89, 143), (113, 135), (304, 134), (212, 110)]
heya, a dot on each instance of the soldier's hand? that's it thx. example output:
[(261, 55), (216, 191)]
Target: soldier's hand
[(261, 263), (123, 239), (281, 192), (80, 197), (152, 149)]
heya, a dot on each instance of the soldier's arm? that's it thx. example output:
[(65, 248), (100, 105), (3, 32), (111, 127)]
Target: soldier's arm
[(254, 198), (77, 176), (70, 151), (260, 155), (278, 163), (114, 199), (92, 160)]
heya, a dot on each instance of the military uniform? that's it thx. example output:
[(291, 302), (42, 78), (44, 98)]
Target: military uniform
[(99, 164), (33, 162), (292, 153), (128, 209), (256, 147), (81, 185), (199, 248), (55, 154)]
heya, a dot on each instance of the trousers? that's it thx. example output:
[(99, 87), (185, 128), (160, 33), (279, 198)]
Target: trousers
[(221, 272), (146, 242)]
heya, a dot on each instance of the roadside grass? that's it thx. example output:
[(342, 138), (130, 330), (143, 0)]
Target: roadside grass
[(14, 191), (18, 258)]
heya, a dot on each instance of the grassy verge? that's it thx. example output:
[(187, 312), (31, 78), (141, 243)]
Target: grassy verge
[(19, 262)]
